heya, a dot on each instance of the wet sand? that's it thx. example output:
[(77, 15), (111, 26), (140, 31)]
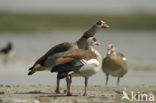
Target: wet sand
[(46, 94)]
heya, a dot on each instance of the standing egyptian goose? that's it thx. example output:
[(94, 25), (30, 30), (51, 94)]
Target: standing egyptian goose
[(79, 62), (6, 51), (114, 64), (49, 60)]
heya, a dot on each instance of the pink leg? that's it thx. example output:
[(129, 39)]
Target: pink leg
[(70, 81), (85, 90), (68, 86), (58, 87)]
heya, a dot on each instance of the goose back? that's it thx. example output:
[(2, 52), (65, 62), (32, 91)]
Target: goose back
[(115, 64)]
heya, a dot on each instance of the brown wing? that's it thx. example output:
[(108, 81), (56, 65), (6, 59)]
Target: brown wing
[(123, 63), (65, 60), (56, 49), (114, 62), (81, 54), (120, 54), (59, 48)]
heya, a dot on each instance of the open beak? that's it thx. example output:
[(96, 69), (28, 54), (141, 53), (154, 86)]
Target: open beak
[(105, 26), (97, 43)]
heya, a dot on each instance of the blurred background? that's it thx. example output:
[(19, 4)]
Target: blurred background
[(34, 26)]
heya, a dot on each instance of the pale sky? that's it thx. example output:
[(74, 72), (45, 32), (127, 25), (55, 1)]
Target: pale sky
[(79, 5)]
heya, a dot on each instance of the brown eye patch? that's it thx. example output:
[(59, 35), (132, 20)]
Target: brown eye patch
[(94, 39), (112, 46), (99, 23)]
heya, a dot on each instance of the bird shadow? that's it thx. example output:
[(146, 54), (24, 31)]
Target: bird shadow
[(59, 95), (33, 92), (46, 94)]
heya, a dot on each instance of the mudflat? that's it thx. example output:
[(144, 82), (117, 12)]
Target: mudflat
[(46, 94)]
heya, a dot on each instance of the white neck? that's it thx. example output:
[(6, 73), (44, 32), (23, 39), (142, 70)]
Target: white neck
[(90, 47), (99, 57)]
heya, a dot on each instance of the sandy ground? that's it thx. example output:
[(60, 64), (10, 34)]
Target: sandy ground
[(46, 94)]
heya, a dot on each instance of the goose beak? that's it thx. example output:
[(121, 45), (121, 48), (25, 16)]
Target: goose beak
[(105, 26), (97, 43)]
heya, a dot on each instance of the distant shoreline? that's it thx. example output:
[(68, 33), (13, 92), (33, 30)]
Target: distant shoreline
[(40, 22)]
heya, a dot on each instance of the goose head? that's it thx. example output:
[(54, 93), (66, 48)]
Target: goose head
[(92, 41), (111, 49), (102, 24), (96, 27)]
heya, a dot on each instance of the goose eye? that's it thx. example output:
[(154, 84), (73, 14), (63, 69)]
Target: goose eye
[(94, 39), (99, 23)]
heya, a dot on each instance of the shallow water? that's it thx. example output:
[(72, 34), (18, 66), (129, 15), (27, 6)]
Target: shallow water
[(138, 47)]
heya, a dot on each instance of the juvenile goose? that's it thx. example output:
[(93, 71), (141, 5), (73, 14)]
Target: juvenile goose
[(78, 62), (114, 64), (49, 60)]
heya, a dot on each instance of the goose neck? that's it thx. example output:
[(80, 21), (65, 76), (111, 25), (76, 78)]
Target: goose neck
[(91, 48), (89, 33)]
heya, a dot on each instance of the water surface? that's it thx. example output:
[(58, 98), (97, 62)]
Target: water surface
[(138, 47)]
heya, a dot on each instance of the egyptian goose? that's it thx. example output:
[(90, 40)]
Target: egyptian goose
[(114, 64), (6, 51), (49, 60), (79, 62)]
